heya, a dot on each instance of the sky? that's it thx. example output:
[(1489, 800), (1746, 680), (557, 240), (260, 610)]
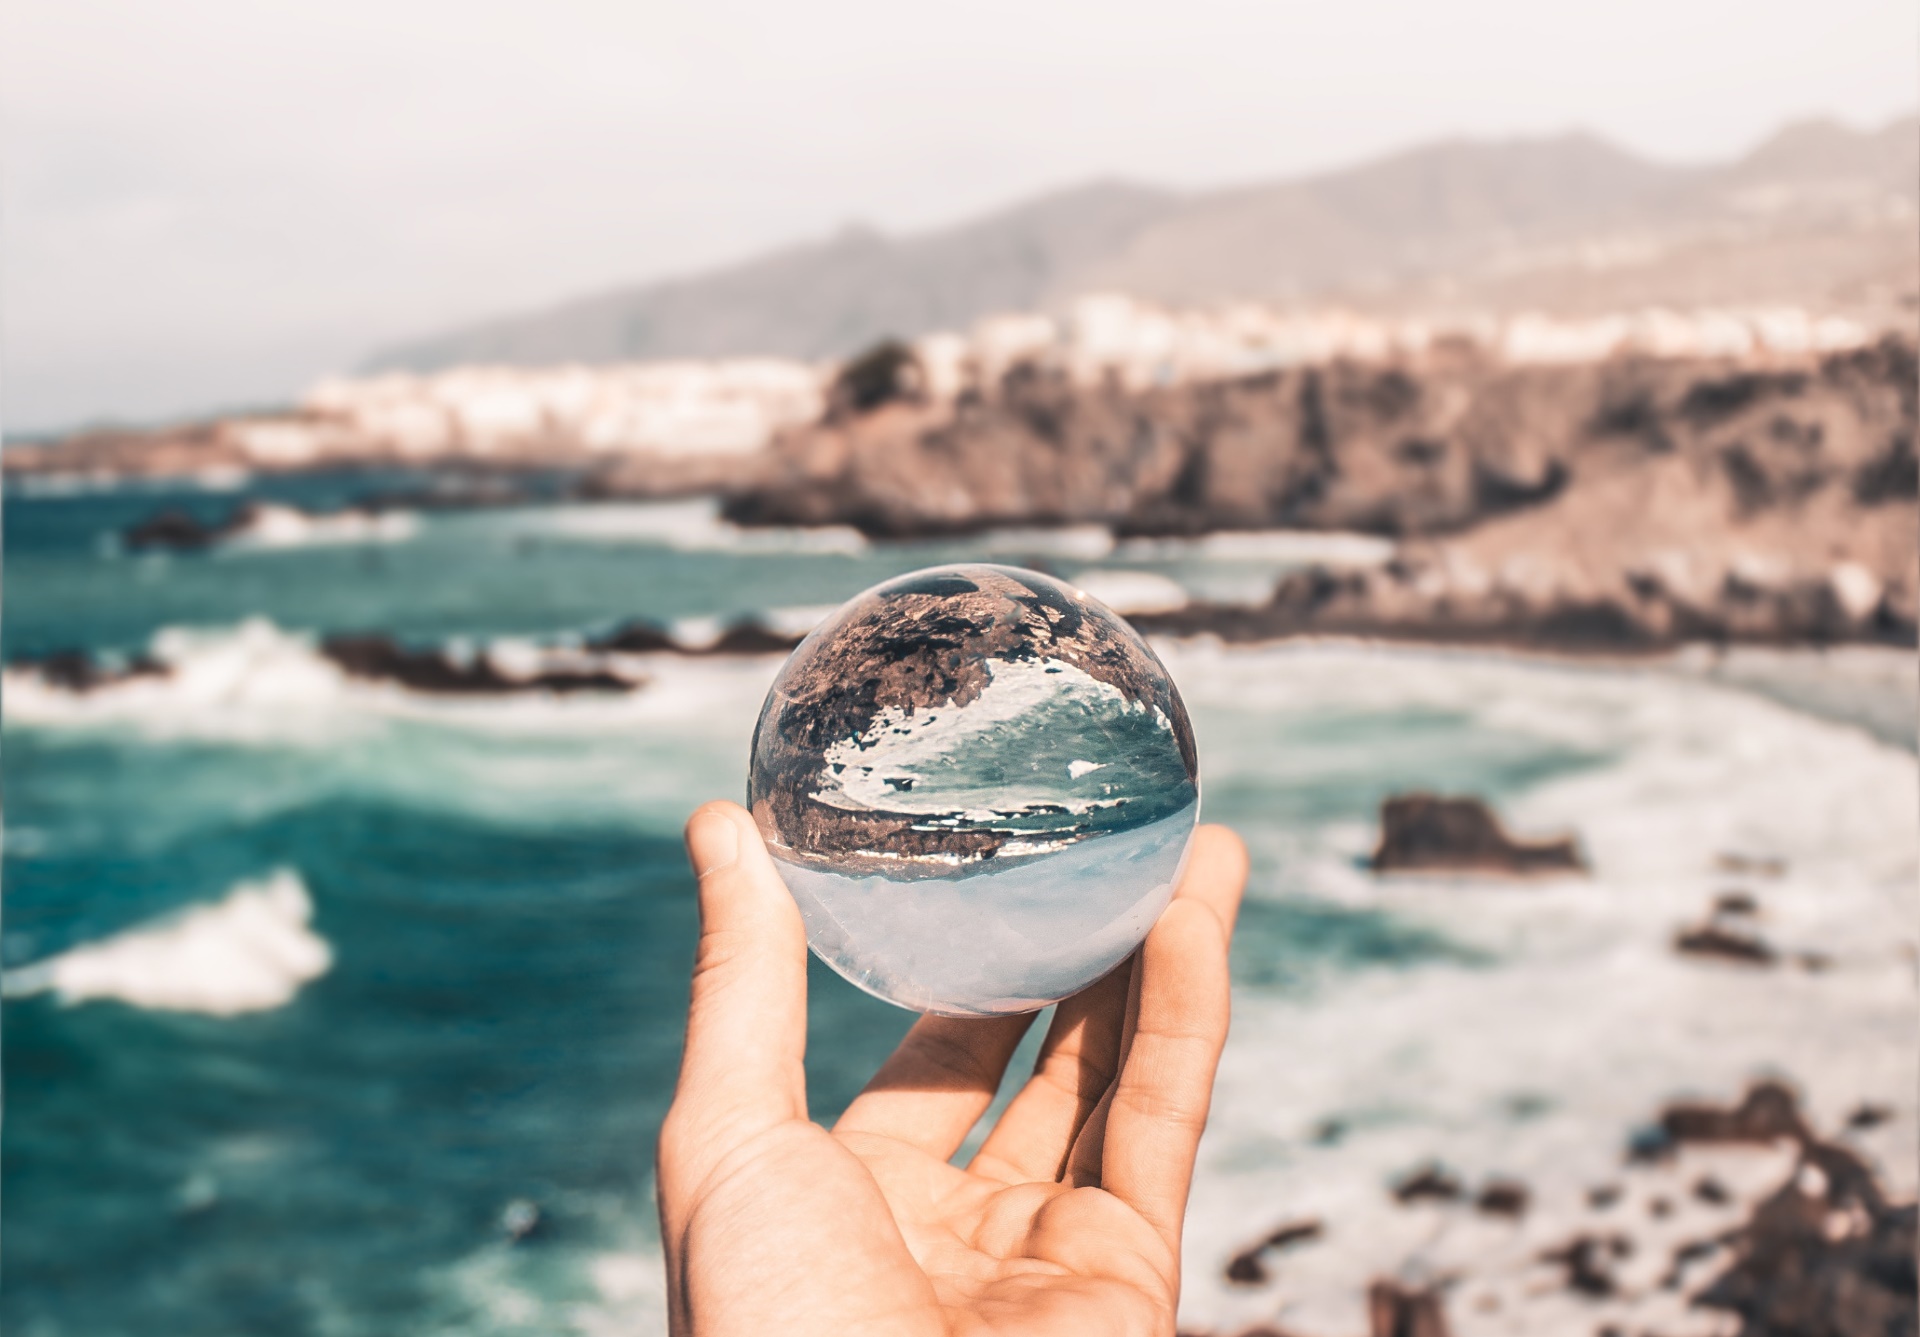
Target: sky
[(210, 203)]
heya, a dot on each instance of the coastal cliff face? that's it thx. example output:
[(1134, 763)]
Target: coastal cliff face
[(1629, 500)]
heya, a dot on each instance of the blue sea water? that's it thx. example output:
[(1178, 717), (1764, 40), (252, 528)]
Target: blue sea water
[(502, 891)]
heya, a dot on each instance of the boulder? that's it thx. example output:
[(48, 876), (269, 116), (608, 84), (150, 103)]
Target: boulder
[(1430, 833), (1394, 1310), (1588, 1262), (1430, 1183), (1716, 940), (80, 672), (1249, 1266), (173, 530), (1503, 1197), (1824, 1256), (1768, 1112)]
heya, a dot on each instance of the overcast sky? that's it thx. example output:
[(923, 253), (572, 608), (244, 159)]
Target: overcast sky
[(211, 202)]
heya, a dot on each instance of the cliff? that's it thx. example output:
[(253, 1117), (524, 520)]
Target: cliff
[(1631, 500)]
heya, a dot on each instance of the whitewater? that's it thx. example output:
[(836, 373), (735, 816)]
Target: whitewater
[(313, 977)]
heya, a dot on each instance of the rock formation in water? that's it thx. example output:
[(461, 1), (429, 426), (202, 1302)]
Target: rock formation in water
[(1822, 1252), (379, 658), (80, 672), (1427, 833)]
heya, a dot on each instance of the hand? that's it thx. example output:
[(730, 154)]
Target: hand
[(1067, 1221)]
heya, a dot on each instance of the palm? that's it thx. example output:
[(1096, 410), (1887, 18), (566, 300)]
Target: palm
[(1068, 1219), (1009, 1258)]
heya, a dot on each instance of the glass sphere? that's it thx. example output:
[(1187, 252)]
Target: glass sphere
[(979, 784)]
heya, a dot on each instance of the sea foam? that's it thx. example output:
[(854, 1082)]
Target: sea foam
[(1581, 1020), (281, 527), (248, 952), (687, 526)]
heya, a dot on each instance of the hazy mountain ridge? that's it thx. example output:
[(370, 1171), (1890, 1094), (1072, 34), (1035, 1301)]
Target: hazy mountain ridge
[(1819, 206)]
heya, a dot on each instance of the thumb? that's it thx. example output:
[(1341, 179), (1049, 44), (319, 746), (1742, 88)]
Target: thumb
[(747, 1018)]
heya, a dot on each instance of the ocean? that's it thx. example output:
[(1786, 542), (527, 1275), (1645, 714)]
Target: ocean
[(335, 1008)]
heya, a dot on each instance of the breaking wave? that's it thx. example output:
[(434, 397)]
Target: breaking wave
[(249, 952), (687, 526), (278, 527)]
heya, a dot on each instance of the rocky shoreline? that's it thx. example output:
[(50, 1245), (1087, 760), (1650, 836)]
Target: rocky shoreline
[(1621, 506), (1635, 503), (1820, 1250), (1626, 504)]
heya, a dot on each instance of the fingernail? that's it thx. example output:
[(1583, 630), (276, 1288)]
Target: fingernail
[(713, 842)]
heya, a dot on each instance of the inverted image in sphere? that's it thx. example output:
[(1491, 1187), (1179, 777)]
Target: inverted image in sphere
[(979, 785)]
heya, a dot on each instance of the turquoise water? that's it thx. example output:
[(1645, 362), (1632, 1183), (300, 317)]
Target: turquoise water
[(501, 890)]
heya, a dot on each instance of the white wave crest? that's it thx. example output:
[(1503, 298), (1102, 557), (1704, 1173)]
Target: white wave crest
[(1128, 592), (248, 952), (688, 526), (1088, 543), (233, 682), (278, 527), (1290, 547)]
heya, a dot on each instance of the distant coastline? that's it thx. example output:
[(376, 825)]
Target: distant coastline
[(1755, 485)]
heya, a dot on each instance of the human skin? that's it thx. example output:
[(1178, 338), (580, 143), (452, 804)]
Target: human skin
[(1067, 1221)]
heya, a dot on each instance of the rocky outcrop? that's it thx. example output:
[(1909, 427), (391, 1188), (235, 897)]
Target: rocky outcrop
[(1250, 1266), (79, 672), (1427, 833), (1769, 1112), (743, 637), (1394, 1310), (379, 658), (1823, 1252), (175, 530), (1826, 1254), (1631, 503), (1723, 942), (1430, 1183)]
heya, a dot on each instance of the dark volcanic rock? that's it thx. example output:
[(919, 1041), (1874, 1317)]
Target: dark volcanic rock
[(1249, 1266), (750, 638), (1427, 833), (1503, 1197), (1716, 940), (1825, 1256), (636, 638), (1588, 1260), (80, 672), (174, 530), (746, 637), (1868, 1115), (379, 658), (1394, 1310), (1768, 1112), (1429, 1183), (1711, 1191)]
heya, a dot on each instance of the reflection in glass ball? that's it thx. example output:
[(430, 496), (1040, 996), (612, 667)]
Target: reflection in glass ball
[(979, 785)]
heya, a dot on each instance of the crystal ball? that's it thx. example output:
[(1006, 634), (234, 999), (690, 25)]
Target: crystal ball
[(979, 784)]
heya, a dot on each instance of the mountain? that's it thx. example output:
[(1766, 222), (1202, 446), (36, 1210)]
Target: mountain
[(1818, 213), (827, 298)]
